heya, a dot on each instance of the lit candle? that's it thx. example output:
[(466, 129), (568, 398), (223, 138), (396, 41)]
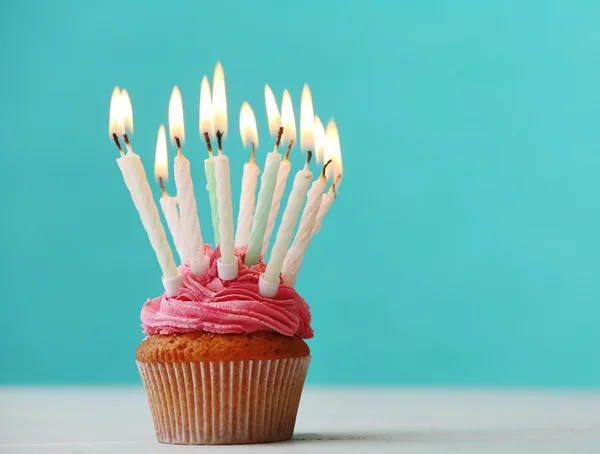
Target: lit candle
[(289, 133), (121, 117), (295, 255), (190, 233), (227, 263), (207, 130), (334, 171), (295, 201), (249, 134), (161, 173)]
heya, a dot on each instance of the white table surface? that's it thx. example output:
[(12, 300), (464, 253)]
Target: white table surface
[(332, 420)]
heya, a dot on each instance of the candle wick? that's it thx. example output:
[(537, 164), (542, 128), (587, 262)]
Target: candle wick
[(252, 153), (127, 143), (208, 144), (116, 139), (178, 143), (279, 134), (324, 168), (162, 186), (220, 142), (335, 183), (287, 153), (308, 158)]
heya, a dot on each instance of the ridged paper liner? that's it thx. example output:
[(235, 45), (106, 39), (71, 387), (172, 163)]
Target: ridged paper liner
[(224, 402)]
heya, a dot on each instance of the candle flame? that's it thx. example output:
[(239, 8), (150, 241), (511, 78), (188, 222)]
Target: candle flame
[(161, 166), (320, 140), (176, 116), (206, 110), (333, 151), (307, 120), (219, 100), (115, 116), (272, 111), (288, 121), (248, 125), (126, 112)]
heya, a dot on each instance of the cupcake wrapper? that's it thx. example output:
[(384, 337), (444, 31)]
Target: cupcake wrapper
[(224, 402)]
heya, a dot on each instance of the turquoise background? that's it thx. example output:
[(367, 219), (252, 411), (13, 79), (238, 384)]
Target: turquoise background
[(464, 247)]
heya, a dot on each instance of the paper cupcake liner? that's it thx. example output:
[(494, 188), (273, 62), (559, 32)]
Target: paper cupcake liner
[(224, 402)]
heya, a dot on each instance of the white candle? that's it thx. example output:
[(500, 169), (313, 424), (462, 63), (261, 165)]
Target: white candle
[(330, 141), (282, 176), (206, 127), (323, 209), (288, 224), (189, 226), (211, 188), (141, 194), (121, 117), (247, 201), (161, 173), (190, 232), (170, 211), (295, 255), (225, 209), (249, 134)]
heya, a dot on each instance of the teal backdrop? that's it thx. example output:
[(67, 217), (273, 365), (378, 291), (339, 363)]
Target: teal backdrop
[(464, 246)]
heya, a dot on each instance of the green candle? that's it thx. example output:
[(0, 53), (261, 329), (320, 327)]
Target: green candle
[(263, 206)]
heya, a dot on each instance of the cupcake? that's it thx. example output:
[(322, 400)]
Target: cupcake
[(225, 358), (222, 364)]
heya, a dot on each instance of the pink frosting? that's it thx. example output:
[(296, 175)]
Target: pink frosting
[(207, 303)]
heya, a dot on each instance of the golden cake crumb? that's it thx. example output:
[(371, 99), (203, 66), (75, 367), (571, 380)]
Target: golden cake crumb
[(203, 346)]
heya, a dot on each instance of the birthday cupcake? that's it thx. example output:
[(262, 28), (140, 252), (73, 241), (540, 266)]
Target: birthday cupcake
[(225, 358), (223, 364)]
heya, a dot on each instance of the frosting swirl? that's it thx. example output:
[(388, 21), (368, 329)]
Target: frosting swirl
[(207, 303)]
